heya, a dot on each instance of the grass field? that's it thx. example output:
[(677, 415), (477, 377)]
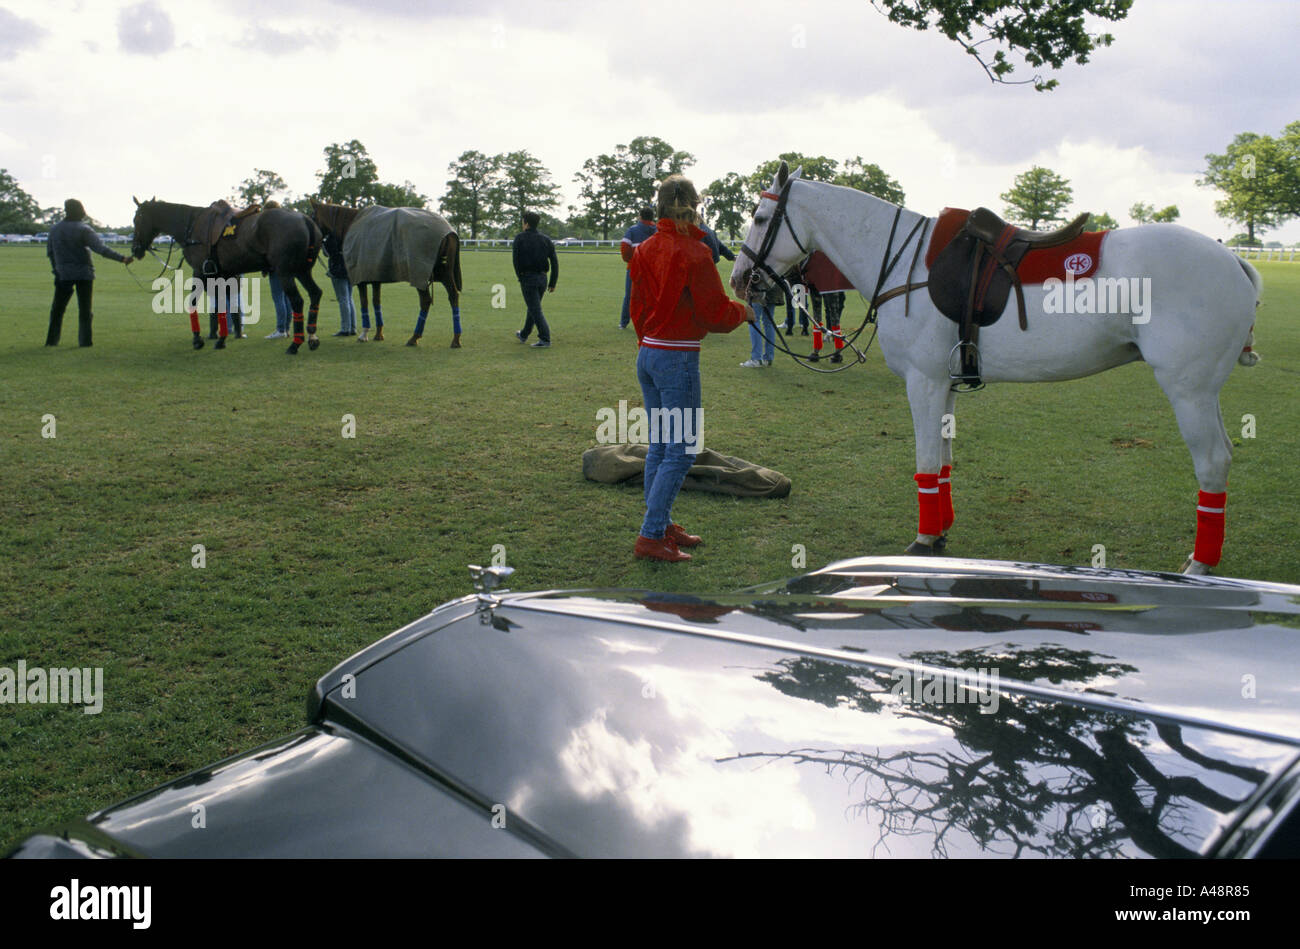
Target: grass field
[(317, 545)]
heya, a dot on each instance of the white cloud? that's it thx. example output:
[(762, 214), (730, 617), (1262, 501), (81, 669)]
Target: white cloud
[(145, 28), (419, 83)]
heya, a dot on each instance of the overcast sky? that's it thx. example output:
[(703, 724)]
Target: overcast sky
[(183, 99)]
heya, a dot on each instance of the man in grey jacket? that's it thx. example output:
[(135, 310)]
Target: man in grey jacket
[(69, 247)]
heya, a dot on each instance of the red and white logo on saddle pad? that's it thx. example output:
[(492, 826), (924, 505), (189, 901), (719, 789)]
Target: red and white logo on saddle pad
[(1078, 264)]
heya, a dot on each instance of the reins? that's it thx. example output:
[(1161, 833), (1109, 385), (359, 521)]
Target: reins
[(780, 216), (166, 264)]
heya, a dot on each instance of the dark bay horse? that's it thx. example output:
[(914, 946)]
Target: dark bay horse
[(392, 245), (274, 239)]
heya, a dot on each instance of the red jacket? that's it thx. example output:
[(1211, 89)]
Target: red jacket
[(677, 295)]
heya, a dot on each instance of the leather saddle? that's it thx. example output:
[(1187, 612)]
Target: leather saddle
[(217, 221), (972, 277)]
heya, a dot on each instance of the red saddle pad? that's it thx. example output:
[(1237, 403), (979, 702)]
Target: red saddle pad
[(822, 273), (1080, 257)]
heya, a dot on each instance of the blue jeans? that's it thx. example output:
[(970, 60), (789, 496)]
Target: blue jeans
[(669, 379), (763, 317), (626, 316), (347, 314), (283, 317), (533, 286)]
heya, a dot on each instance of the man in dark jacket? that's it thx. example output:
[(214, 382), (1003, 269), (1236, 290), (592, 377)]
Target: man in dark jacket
[(716, 247), (69, 247), (533, 254)]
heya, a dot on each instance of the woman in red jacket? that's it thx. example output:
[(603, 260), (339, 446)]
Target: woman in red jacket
[(677, 297)]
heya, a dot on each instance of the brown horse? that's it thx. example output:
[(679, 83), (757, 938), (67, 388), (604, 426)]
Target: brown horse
[(390, 245), (274, 239)]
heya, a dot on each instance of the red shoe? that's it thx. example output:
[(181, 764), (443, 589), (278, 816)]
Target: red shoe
[(662, 549), (680, 537)]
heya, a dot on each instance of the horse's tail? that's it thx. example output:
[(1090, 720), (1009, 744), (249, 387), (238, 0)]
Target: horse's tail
[(453, 253), (314, 240), (1248, 355)]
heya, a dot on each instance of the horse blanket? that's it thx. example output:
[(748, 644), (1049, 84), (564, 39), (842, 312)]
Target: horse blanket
[(396, 245), (711, 472)]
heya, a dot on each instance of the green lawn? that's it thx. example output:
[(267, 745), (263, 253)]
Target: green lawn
[(317, 545)]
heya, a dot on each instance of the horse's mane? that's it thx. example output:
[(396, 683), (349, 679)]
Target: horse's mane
[(335, 217)]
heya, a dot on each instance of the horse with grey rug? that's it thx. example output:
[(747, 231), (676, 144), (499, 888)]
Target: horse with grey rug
[(397, 245), (1188, 311), (221, 243)]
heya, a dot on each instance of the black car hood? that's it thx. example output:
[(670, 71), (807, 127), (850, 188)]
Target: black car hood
[(1133, 714), (321, 792)]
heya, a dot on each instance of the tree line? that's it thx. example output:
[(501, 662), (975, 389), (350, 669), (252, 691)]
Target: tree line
[(486, 195)]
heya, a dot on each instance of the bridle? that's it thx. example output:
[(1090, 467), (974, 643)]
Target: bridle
[(167, 264), (759, 264)]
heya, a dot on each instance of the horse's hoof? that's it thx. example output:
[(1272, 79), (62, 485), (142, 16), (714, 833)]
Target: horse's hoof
[(918, 549), (313, 343), (1194, 568), (413, 341), (293, 349), (221, 343), (455, 342), (379, 336), (198, 341), (941, 544)]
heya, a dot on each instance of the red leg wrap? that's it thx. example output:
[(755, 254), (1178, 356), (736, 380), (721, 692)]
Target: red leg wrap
[(945, 496), (817, 337), (297, 328), (194, 320), (222, 326), (311, 321), (1209, 527), (839, 338), (927, 496)]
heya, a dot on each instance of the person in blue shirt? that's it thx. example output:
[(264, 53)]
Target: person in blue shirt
[(633, 236), (716, 247)]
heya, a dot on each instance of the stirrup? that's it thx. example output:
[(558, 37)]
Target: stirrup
[(963, 381)]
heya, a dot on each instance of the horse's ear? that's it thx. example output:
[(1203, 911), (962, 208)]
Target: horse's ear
[(136, 200), (797, 173), (782, 174)]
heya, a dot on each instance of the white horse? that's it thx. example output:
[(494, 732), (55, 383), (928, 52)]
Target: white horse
[(1200, 309)]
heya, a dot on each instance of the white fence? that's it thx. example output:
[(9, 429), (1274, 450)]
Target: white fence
[(1265, 253)]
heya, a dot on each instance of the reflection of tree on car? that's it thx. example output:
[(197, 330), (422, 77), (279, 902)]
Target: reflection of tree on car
[(1037, 778)]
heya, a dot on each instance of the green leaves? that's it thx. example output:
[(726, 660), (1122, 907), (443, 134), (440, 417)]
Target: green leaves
[(1039, 196), (260, 187), (1260, 178), (492, 192), (616, 186), (19, 212), (1040, 33), (351, 178)]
